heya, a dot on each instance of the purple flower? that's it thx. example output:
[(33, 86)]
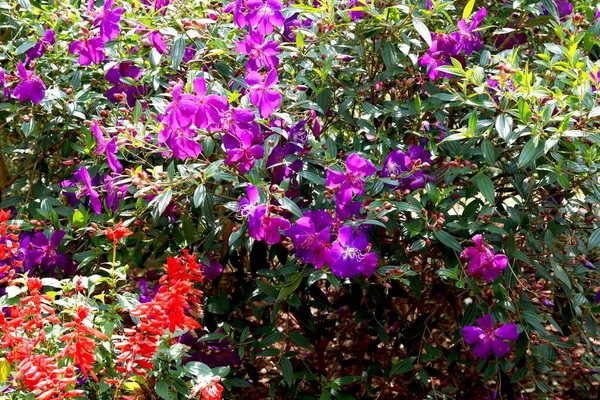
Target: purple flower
[(281, 168), (238, 7), (114, 193), (350, 183), (400, 164), (261, 224), (272, 226), (145, 295), (109, 19), (189, 53), (86, 189), (5, 90), (312, 238), (349, 254), (487, 339), (253, 210), (263, 15), (210, 108), (99, 136), (483, 260), (242, 149), (589, 265), (91, 50), (157, 41), (261, 93), (428, 5), (443, 48), (262, 54), (39, 48), (594, 80), (212, 270), (158, 5), (177, 132), (31, 87), (468, 40), (132, 92), (290, 26), (43, 253)]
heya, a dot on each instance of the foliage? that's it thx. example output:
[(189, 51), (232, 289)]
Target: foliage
[(338, 199)]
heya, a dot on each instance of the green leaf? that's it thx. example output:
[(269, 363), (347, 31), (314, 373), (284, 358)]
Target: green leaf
[(300, 340), (162, 389), (422, 30), (486, 187), (177, 51), (290, 287), (594, 239), (79, 219), (403, 366), (532, 151), (448, 240), (468, 9), (504, 124), (287, 370), (199, 371), (160, 203), (489, 154), (289, 205)]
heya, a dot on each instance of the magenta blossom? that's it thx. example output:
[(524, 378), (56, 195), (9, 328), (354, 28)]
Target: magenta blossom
[(40, 47), (109, 19), (253, 210), (157, 41), (350, 256), (91, 50), (487, 339), (31, 87), (262, 93), (242, 149), (264, 15), (351, 182), (312, 238), (404, 167), (262, 53), (483, 260)]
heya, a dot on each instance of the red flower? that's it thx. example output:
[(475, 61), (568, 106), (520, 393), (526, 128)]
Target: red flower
[(213, 391), (118, 232)]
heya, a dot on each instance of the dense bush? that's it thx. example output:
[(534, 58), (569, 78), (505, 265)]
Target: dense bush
[(333, 200)]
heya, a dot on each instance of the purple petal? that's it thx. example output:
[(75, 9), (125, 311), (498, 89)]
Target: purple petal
[(507, 332)]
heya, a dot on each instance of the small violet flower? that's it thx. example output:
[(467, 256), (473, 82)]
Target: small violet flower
[(109, 19), (91, 50), (487, 339), (400, 164), (262, 53), (350, 256), (43, 253), (82, 176), (264, 15), (31, 86), (312, 238), (262, 93), (351, 182), (40, 47), (483, 260)]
